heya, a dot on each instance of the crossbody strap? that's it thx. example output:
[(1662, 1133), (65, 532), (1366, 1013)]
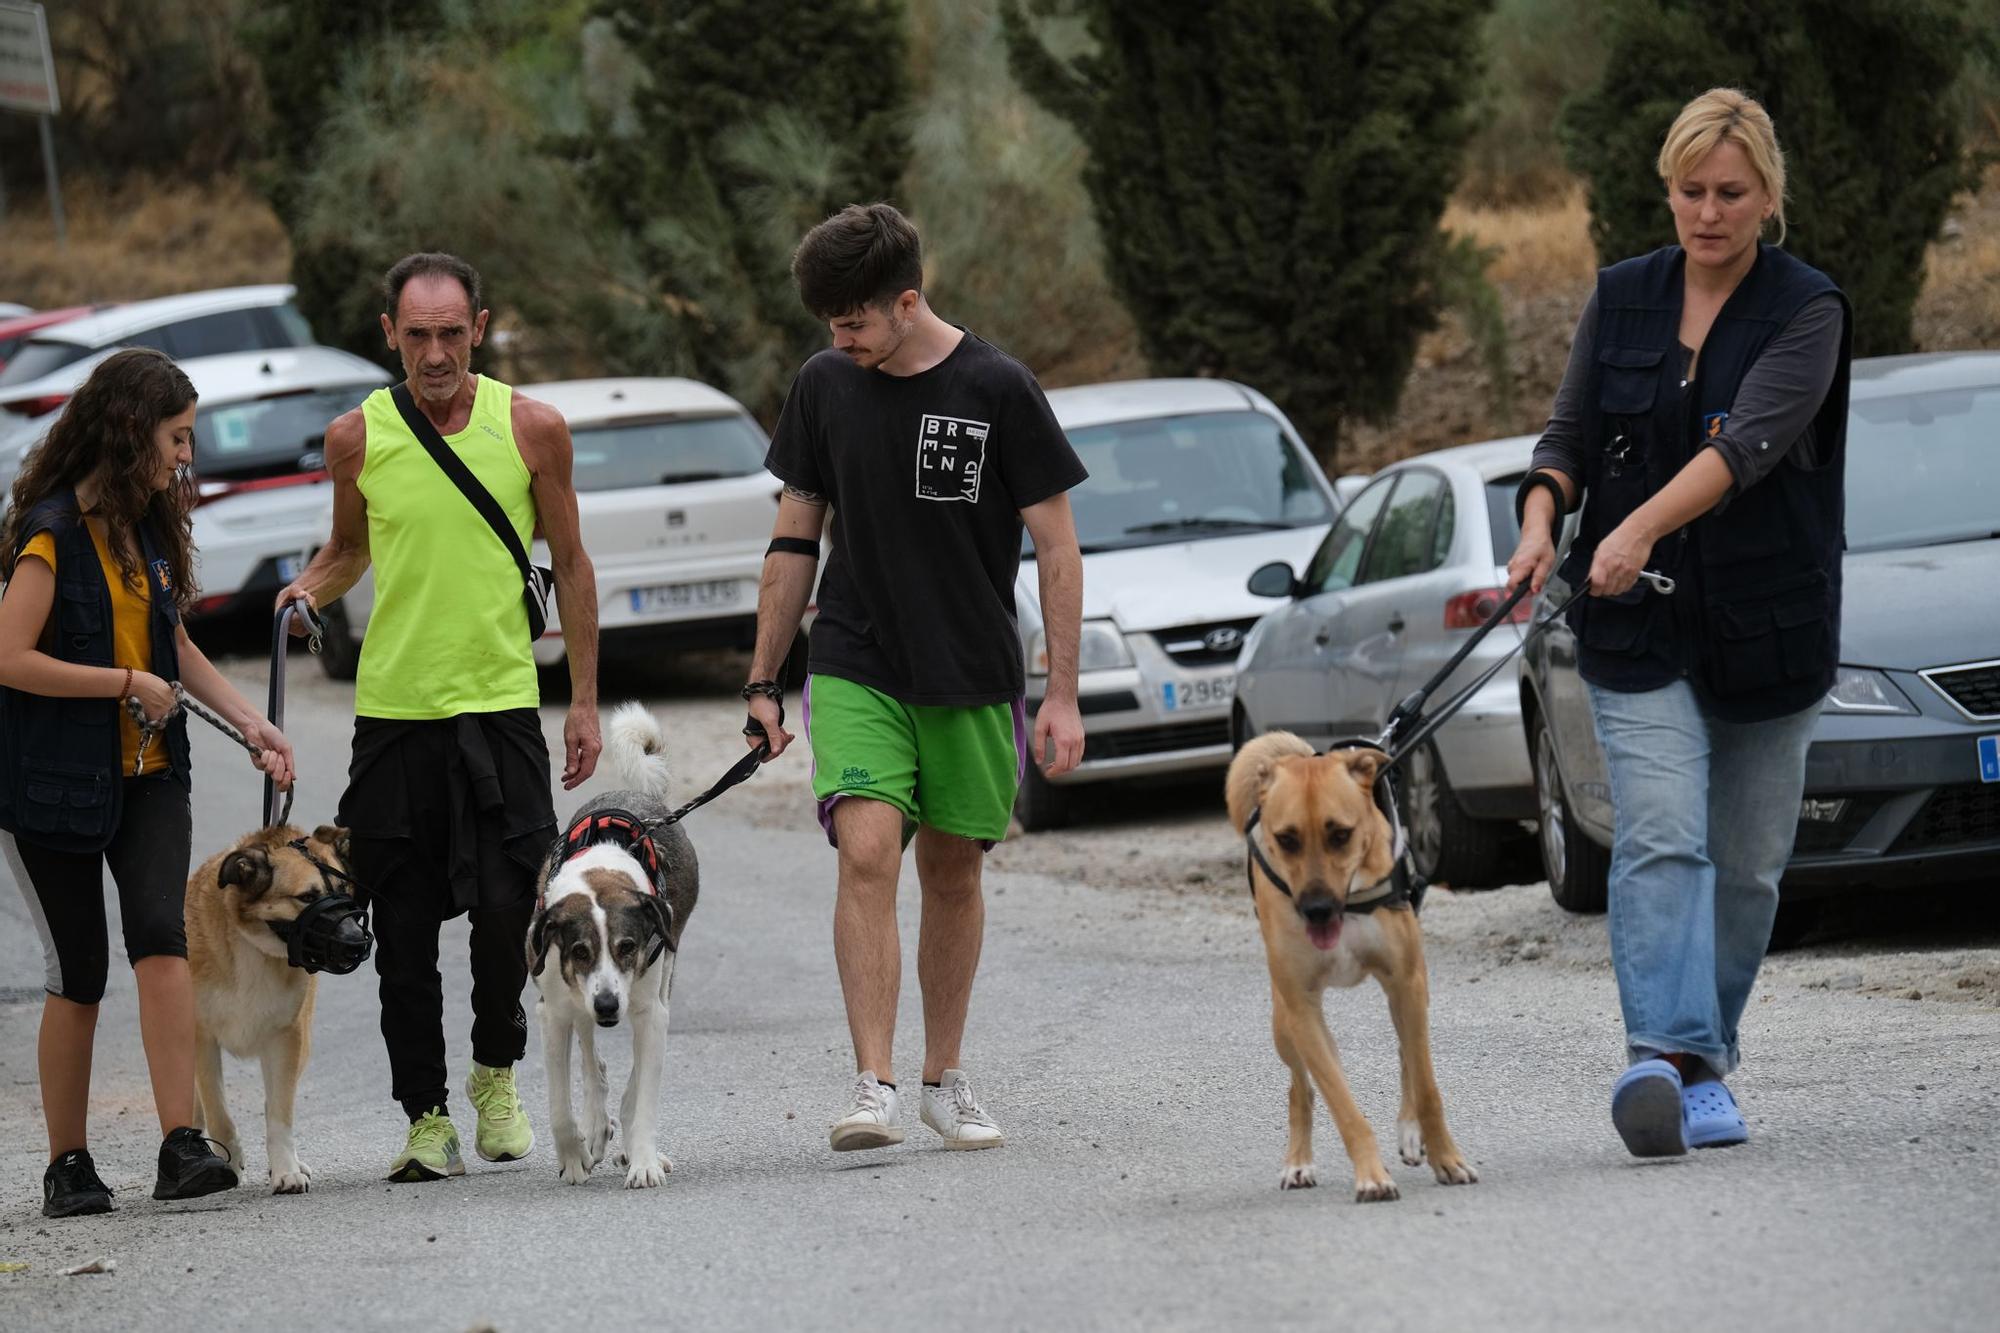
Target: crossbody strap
[(461, 476)]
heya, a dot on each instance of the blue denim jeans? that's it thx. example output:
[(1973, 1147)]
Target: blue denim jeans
[(1705, 813)]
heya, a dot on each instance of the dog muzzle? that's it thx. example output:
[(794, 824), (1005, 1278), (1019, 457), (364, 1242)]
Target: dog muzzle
[(331, 935)]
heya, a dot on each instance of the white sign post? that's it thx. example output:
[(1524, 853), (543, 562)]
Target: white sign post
[(28, 83)]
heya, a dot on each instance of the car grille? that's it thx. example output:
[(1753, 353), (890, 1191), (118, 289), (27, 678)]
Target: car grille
[(1975, 689), (1155, 740), (1212, 643), (1954, 816), (1818, 837)]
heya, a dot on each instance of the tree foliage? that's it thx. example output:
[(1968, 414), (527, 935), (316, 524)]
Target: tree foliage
[(1874, 150), (753, 120), (1268, 178)]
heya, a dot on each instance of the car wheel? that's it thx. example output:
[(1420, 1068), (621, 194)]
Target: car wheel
[(1794, 921), (1579, 871), (1040, 804), (339, 650), (1449, 846)]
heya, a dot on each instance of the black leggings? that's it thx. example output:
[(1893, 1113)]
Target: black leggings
[(148, 857)]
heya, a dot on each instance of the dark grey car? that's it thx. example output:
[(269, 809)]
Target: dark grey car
[(1903, 777)]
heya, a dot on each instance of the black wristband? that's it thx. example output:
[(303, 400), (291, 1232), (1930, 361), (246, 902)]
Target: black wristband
[(1529, 485), (792, 546), (769, 689)]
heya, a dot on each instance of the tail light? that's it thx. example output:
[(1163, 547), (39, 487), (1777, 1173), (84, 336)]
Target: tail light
[(34, 407), (1469, 610), (207, 491)]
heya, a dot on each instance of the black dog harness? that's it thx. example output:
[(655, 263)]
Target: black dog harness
[(1392, 891)]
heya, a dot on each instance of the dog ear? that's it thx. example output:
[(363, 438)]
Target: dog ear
[(340, 839), (249, 869), (662, 914), (538, 942), (1365, 764)]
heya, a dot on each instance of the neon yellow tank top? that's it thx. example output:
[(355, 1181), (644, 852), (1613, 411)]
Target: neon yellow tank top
[(448, 633)]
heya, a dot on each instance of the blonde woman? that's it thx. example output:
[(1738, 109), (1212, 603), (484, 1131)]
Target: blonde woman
[(1701, 425)]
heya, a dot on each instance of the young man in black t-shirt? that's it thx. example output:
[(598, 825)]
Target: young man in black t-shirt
[(932, 449)]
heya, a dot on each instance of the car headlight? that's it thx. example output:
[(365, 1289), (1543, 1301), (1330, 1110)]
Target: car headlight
[(1100, 648), (1860, 690)]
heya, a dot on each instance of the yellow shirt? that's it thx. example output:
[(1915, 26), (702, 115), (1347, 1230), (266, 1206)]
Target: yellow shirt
[(131, 638)]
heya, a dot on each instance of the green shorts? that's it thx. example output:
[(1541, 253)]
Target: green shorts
[(955, 769)]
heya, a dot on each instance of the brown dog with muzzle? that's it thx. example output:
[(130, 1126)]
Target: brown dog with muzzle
[(1320, 856)]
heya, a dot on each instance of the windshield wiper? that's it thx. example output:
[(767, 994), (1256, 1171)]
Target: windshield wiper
[(1208, 525), (672, 478)]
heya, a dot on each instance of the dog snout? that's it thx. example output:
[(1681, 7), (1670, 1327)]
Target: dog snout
[(350, 933), (606, 1004), (1318, 908)]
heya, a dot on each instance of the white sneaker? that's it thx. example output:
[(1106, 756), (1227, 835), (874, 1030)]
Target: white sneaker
[(950, 1110), (871, 1119)]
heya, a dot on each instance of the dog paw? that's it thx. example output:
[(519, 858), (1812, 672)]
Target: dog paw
[(1298, 1177), (573, 1170), (1376, 1188), (297, 1180), (1410, 1142), (232, 1153), (599, 1142), (1454, 1170), (641, 1176)]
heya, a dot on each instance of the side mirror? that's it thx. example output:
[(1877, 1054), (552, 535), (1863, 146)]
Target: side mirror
[(1273, 580)]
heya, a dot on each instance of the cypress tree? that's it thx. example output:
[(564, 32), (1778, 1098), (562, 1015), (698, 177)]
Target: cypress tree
[(756, 119), (1268, 177), (1873, 147)]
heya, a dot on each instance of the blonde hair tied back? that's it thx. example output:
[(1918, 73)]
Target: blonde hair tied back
[(1732, 115)]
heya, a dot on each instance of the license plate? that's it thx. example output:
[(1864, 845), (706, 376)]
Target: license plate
[(288, 567), (1205, 692), (684, 596), (1989, 758)]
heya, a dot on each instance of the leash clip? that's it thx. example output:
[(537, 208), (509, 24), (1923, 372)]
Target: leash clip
[(1661, 583)]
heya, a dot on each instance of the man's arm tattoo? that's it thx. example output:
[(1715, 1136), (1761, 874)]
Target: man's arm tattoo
[(804, 496)]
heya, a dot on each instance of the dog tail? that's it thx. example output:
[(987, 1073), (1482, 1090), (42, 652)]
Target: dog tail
[(637, 750)]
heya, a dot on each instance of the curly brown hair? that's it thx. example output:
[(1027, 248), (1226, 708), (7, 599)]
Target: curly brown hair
[(108, 429)]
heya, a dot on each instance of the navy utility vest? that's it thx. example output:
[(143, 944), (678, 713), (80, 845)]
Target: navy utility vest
[(1755, 623), (60, 779)]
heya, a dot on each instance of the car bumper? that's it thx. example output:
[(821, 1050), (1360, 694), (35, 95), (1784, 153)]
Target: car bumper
[(1135, 725), (1893, 802), (1485, 753)]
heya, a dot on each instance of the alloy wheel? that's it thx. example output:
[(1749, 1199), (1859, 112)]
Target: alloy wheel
[(1549, 805)]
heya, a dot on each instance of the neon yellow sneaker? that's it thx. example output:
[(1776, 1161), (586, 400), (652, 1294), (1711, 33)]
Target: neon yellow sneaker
[(504, 1134), (431, 1152)]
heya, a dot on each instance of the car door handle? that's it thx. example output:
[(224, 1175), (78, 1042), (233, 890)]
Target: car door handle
[(1323, 636), (1396, 623)]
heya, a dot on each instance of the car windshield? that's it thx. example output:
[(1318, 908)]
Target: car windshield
[(620, 455), (1920, 469), (38, 357), (1170, 479), (271, 436)]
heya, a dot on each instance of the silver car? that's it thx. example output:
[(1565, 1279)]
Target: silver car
[(1193, 483), (1413, 565), (1903, 776)]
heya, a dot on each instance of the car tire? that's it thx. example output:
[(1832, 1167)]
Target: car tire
[(1578, 870), (1040, 805), (340, 649), (1448, 846), (1795, 920)]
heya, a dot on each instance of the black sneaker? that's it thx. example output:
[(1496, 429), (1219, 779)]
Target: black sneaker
[(70, 1187), (188, 1169)]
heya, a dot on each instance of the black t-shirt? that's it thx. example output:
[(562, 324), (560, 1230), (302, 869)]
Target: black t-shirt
[(927, 476)]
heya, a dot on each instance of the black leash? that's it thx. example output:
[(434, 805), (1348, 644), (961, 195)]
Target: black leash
[(274, 707), (739, 771)]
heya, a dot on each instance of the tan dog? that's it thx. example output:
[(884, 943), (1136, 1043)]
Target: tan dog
[(1314, 820), (248, 999)]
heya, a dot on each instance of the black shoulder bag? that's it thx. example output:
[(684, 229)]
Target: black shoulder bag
[(536, 580)]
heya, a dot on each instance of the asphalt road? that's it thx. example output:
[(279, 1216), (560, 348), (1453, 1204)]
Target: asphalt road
[(1121, 1038)]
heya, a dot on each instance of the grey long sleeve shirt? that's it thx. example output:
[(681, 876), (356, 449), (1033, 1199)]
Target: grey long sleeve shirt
[(1773, 412)]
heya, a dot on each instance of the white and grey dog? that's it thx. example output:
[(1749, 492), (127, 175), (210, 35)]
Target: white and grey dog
[(611, 902)]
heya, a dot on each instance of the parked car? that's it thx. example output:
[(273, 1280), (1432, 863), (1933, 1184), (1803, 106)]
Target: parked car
[(51, 363), (1414, 564), (15, 329), (1193, 483), (1902, 779), (676, 510)]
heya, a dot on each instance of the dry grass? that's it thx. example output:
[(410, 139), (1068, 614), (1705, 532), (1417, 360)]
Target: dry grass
[(1541, 248), (142, 239)]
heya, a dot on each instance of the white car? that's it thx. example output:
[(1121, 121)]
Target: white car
[(263, 498), (263, 501), (676, 510), (1193, 484)]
